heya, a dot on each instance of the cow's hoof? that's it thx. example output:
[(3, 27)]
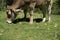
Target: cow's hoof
[(44, 19), (31, 22), (49, 20), (9, 22)]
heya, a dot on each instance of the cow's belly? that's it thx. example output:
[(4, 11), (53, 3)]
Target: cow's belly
[(40, 2)]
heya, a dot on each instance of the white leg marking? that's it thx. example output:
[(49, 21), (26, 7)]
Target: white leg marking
[(44, 19)]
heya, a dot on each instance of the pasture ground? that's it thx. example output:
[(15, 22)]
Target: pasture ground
[(22, 30)]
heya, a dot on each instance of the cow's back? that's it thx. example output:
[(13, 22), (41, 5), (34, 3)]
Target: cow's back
[(40, 2), (16, 3)]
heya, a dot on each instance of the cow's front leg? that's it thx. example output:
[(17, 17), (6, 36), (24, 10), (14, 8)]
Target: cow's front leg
[(32, 6)]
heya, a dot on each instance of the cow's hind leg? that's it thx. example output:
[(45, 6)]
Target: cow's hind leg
[(32, 6), (44, 13), (25, 13), (49, 10)]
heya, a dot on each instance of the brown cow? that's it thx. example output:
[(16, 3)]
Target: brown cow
[(14, 5)]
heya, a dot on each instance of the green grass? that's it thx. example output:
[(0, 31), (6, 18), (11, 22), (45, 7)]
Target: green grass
[(25, 31)]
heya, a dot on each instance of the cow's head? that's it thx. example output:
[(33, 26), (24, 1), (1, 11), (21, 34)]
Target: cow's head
[(10, 16)]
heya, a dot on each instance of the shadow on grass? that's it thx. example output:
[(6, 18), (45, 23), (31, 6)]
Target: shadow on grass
[(38, 20)]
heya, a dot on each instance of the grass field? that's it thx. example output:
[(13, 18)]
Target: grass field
[(22, 30)]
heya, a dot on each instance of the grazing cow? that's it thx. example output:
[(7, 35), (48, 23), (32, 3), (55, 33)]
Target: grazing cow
[(16, 5)]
